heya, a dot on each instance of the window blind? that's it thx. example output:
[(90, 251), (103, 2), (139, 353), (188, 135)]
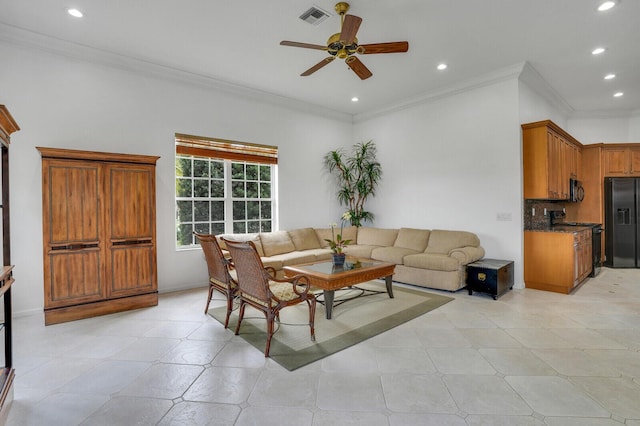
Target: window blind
[(225, 149)]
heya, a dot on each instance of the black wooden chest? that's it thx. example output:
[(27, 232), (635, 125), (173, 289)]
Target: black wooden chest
[(491, 276)]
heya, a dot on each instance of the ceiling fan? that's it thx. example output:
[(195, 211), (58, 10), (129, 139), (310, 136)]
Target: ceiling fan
[(344, 45)]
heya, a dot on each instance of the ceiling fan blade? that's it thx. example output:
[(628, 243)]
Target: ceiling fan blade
[(358, 67), (304, 45), (317, 66), (393, 47), (350, 28)]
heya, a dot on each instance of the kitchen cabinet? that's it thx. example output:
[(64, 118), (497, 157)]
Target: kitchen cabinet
[(621, 160), (99, 236), (557, 261), (7, 372), (551, 157)]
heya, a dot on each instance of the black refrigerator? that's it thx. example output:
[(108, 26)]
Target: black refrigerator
[(621, 218)]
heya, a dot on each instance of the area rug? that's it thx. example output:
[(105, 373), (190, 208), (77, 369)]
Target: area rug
[(352, 322)]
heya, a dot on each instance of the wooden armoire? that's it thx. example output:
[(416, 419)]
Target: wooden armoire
[(99, 233)]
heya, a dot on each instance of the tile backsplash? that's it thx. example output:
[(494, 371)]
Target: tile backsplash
[(537, 213)]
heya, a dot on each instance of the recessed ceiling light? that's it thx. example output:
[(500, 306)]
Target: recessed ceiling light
[(606, 5), (618, 94), (75, 13), (598, 50), (442, 67), (609, 76), (355, 99)]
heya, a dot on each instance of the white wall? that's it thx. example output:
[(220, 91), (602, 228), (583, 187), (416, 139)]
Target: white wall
[(600, 130), (61, 102), (534, 107), (453, 163), (634, 127)]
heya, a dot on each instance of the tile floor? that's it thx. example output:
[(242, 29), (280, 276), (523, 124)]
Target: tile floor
[(530, 358)]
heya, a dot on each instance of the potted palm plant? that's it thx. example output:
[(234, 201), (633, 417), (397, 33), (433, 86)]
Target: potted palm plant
[(357, 177)]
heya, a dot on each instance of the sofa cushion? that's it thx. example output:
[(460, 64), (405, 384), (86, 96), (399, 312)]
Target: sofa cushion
[(444, 241), (294, 257), (304, 239), (320, 254), (434, 261), (392, 254), (359, 250), (277, 242), (414, 239), (255, 238), (377, 237), (348, 233)]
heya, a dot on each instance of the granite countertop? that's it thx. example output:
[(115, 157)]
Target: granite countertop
[(572, 229)]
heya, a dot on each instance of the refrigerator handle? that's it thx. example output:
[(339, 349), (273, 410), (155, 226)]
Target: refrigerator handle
[(623, 217)]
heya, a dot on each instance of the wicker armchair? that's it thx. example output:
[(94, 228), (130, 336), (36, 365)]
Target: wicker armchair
[(220, 277), (260, 289)]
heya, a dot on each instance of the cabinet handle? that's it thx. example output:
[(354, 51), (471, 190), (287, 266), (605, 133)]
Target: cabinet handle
[(131, 242), (74, 247)]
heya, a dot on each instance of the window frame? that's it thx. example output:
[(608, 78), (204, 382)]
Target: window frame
[(229, 153)]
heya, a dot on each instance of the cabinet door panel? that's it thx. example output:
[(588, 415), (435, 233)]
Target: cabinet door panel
[(635, 161), (132, 202), (72, 199), (73, 278), (615, 162), (132, 270)]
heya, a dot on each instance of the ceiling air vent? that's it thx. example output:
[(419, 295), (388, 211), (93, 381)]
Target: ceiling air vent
[(314, 16)]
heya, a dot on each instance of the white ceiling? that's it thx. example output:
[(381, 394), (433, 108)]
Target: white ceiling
[(237, 42)]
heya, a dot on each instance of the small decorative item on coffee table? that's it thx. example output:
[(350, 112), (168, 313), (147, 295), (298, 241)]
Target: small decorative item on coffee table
[(338, 259), (337, 243)]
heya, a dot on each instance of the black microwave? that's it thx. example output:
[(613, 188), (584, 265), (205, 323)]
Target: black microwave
[(576, 191)]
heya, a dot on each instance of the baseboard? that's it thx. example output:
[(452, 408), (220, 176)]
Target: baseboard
[(88, 310)]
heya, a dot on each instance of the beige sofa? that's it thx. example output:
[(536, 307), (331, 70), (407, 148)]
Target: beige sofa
[(428, 258)]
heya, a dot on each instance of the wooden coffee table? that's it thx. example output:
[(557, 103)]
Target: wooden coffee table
[(329, 278)]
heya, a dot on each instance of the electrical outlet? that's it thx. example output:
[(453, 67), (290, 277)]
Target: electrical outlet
[(503, 217)]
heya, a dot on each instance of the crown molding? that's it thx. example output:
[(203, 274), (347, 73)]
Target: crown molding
[(33, 40), (534, 80)]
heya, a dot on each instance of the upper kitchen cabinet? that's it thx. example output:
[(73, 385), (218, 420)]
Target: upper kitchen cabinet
[(551, 157), (621, 160)]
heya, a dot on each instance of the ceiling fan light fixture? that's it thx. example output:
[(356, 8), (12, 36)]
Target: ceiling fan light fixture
[(344, 45)]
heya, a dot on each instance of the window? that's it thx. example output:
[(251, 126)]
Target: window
[(223, 187)]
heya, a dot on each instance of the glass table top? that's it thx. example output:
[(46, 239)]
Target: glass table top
[(330, 268)]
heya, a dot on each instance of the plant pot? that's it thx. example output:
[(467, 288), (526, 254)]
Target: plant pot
[(338, 259)]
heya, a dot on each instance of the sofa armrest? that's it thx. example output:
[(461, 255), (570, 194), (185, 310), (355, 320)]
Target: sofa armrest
[(466, 255)]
